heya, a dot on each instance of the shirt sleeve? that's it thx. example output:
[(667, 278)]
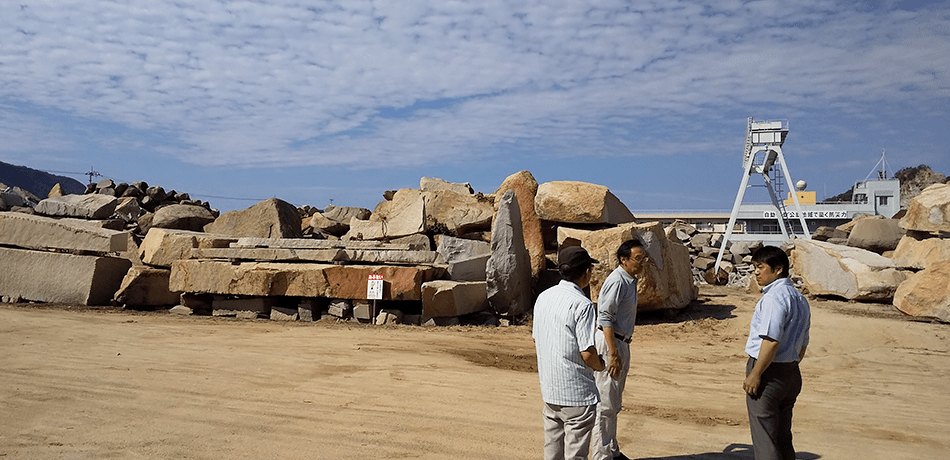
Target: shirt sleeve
[(607, 302), (585, 326), (773, 321)]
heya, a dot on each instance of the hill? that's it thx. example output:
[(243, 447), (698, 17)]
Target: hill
[(37, 182)]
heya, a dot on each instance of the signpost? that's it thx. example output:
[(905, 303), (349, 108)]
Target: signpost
[(374, 292)]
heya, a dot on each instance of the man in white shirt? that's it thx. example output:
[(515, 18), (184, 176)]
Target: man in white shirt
[(563, 332)]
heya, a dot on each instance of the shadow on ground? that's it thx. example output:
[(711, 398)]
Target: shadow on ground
[(710, 304), (731, 452)]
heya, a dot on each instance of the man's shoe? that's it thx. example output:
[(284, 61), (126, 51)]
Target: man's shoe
[(621, 457)]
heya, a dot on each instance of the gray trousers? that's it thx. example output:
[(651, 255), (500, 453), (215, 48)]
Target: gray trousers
[(770, 410), (567, 431), (604, 439)]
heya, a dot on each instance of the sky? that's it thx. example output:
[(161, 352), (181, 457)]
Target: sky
[(326, 102)]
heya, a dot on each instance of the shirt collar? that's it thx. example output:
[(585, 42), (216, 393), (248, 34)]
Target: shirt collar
[(778, 282)]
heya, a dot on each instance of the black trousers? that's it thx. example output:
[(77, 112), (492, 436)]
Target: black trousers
[(770, 410)]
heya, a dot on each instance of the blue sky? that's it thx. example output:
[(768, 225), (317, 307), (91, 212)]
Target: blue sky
[(322, 101)]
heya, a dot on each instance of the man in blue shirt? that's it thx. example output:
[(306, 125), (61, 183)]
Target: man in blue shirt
[(778, 337), (563, 332), (616, 317)]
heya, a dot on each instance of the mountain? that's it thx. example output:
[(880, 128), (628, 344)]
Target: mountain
[(37, 182)]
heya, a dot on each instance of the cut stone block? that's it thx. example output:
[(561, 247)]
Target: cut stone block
[(443, 298), (372, 256), (278, 313), (298, 279), (92, 206), (469, 269), (56, 277), (146, 287), (162, 246), (39, 232)]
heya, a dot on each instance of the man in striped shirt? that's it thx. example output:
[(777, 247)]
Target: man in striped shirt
[(563, 331)]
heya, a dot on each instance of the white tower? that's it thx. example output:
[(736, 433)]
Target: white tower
[(767, 137)]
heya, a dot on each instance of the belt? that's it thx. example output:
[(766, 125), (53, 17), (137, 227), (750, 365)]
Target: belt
[(619, 336)]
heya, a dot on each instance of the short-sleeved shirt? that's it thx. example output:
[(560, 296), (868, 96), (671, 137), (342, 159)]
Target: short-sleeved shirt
[(564, 325), (617, 302), (783, 315)]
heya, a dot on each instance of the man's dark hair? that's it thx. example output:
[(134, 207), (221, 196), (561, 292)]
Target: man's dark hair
[(623, 251), (569, 273), (772, 256)]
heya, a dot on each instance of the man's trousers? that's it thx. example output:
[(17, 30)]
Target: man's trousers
[(604, 438), (770, 411)]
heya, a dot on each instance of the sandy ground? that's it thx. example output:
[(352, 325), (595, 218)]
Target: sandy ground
[(81, 383)]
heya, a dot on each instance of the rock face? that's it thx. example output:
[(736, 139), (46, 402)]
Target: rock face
[(919, 253), (508, 273), (876, 235), (929, 211), (666, 283), (852, 273), (526, 188), (84, 206), (39, 232), (55, 277), (272, 218), (580, 203), (182, 217), (926, 293)]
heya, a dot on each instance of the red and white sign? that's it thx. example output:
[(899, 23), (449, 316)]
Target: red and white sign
[(374, 288)]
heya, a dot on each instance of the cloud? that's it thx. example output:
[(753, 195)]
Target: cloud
[(405, 83)]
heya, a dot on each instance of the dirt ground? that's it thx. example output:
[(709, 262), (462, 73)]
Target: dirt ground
[(80, 383)]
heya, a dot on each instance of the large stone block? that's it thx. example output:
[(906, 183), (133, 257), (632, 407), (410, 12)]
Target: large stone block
[(453, 298), (929, 211), (182, 217), (39, 232), (146, 287), (93, 206), (56, 277), (298, 279), (508, 272), (403, 215), (875, 235), (271, 218), (666, 282), (526, 189), (926, 293), (844, 271), (580, 203), (917, 253), (162, 246)]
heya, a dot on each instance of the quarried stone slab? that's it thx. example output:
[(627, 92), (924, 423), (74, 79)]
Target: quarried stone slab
[(162, 246), (39, 232), (55, 277), (298, 279), (92, 206), (443, 298), (852, 273)]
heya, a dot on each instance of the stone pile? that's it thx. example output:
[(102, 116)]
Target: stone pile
[(446, 254)]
